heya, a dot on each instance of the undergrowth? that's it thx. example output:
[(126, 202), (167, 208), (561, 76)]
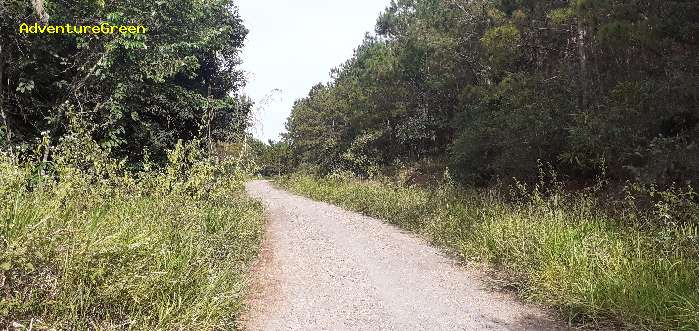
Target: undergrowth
[(85, 244), (556, 249)]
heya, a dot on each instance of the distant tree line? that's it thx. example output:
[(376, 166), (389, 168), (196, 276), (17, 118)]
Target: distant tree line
[(495, 88), (132, 93)]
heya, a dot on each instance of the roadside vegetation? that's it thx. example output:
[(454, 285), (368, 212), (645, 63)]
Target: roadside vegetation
[(555, 248), (122, 162), (164, 249)]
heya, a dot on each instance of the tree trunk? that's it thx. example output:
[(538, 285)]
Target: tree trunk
[(40, 11), (3, 60), (582, 58), (209, 119)]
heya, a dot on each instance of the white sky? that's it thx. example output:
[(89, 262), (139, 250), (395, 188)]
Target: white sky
[(292, 46)]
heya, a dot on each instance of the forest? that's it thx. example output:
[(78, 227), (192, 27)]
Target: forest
[(493, 89)]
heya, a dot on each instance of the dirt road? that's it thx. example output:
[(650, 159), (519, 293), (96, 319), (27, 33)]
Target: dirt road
[(324, 268)]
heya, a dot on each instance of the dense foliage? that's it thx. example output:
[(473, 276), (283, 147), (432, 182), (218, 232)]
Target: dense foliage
[(131, 92), (272, 158), (495, 87)]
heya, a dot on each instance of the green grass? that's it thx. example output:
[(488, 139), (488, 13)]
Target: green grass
[(567, 256), (154, 251)]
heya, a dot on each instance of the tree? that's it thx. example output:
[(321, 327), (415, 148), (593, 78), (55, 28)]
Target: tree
[(589, 87), (129, 92)]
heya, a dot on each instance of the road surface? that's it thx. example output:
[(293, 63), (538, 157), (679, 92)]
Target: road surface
[(325, 268)]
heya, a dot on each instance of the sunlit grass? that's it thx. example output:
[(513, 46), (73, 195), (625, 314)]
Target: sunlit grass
[(146, 252), (567, 256)]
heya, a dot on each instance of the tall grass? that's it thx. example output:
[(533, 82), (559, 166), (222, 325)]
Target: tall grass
[(560, 252), (155, 250)]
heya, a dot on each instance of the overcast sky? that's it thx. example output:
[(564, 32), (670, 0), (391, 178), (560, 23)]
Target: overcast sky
[(292, 46)]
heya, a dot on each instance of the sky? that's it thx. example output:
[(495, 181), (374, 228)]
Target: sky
[(293, 45)]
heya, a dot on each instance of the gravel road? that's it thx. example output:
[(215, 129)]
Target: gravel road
[(325, 268)]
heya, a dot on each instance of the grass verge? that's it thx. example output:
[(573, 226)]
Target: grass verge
[(563, 254), (157, 250)]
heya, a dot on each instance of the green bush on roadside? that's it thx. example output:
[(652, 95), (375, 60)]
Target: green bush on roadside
[(554, 249), (87, 245)]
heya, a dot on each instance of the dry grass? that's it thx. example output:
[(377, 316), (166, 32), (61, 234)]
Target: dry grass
[(559, 251), (155, 250)]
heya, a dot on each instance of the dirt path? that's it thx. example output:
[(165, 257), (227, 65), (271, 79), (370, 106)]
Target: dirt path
[(324, 268)]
